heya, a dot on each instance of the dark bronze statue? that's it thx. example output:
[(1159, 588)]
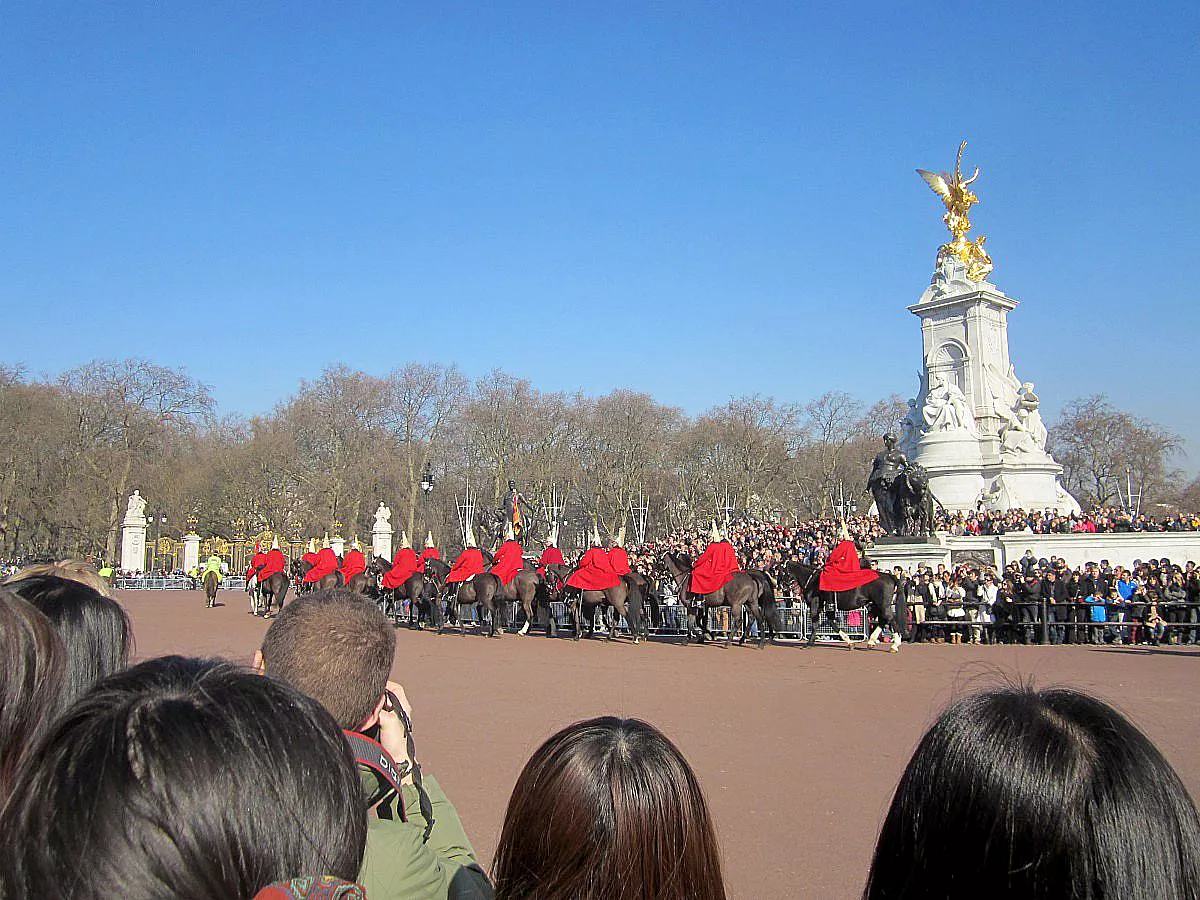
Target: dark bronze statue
[(901, 491)]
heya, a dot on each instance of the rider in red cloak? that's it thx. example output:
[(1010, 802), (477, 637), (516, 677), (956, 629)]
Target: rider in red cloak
[(311, 556), (326, 564), (404, 565), (273, 562), (551, 555), (430, 552), (257, 561), (618, 559), (716, 566), (842, 571), (594, 572), (469, 562), (509, 559), (354, 563)]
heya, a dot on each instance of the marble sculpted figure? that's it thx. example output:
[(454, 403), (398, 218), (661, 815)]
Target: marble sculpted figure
[(137, 506), (946, 407), (383, 517)]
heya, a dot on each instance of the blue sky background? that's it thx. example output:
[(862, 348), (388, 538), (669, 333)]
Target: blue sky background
[(697, 200)]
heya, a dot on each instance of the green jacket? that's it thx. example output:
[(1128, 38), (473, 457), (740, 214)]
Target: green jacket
[(400, 864)]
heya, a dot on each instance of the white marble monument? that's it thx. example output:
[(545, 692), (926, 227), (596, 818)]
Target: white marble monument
[(974, 425), (191, 550), (381, 532), (133, 534)]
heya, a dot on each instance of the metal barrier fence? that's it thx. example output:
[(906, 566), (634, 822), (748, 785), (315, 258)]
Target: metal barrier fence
[(793, 618), (173, 583)]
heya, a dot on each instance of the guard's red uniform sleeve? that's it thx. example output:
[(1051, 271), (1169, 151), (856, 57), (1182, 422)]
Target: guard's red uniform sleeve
[(714, 569), (842, 572)]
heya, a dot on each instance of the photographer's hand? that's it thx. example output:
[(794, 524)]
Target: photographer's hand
[(392, 733)]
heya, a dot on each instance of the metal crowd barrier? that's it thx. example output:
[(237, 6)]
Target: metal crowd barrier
[(173, 583)]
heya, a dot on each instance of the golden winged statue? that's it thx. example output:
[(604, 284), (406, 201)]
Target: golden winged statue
[(959, 198)]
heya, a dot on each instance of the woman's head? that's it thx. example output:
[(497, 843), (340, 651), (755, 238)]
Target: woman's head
[(32, 666), (608, 808), (1032, 794), (94, 629), (183, 778), (71, 569)]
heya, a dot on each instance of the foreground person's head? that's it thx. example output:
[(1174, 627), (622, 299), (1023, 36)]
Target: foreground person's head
[(1037, 794), (32, 669), (183, 778), (608, 809), (95, 629)]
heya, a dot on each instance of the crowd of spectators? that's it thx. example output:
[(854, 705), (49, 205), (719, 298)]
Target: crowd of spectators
[(116, 781), (1154, 601)]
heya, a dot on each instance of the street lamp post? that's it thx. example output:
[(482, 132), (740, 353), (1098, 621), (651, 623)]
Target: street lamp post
[(428, 482)]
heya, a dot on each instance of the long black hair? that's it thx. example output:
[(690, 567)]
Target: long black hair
[(183, 778), (1037, 794), (94, 629)]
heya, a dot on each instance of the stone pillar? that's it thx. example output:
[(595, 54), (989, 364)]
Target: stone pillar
[(133, 535), (191, 551), (381, 532)]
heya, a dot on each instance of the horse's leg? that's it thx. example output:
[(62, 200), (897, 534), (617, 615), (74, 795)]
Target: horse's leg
[(527, 605), (874, 638)]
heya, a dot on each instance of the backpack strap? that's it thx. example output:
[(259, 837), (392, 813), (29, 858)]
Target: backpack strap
[(374, 756)]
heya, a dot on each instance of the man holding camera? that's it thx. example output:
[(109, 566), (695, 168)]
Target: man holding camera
[(337, 648)]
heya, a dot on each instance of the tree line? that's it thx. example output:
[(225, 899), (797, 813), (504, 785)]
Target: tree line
[(77, 445)]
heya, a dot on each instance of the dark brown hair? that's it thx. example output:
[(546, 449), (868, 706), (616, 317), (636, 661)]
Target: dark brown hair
[(608, 809), (335, 647), (32, 678)]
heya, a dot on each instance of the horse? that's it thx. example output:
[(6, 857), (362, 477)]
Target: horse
[(468, 594), (273, 590), (300, 568), (624, 599), (495, 595), (880, 596), (752, 590), (412, 590), (212, 581)]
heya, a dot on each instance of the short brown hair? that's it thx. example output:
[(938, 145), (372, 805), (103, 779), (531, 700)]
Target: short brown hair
[(608, 809), (335, 647)]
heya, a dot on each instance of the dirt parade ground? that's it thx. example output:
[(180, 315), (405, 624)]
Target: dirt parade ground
[(798, 750)]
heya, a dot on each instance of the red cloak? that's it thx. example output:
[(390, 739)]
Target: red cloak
[(404, 566), (327, 564), (353, 564), (508, 562), (275, 562), (714, 569), (427, 553), (842, 571), (550, 556), (619, 560), (594, 572), (258, 559), (467, 566)]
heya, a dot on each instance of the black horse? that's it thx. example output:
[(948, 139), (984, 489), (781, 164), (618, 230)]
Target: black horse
[(272, 591), (751, 590), (879, 596)]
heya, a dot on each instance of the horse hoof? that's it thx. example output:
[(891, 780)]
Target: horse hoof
[(893, 649)]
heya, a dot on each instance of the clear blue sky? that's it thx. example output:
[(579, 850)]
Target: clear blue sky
[(693, 199)]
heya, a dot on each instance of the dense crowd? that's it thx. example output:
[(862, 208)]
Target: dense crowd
[(117, 780)]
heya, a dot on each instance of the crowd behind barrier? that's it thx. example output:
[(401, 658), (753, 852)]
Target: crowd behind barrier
[(373, 821)]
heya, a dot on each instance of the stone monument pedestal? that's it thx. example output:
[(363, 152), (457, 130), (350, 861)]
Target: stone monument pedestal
[(191, 551), (382, 532), (133, 535), (975, 426), (909, 553)]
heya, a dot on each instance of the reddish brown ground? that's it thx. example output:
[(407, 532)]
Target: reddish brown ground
[(798, 750)]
